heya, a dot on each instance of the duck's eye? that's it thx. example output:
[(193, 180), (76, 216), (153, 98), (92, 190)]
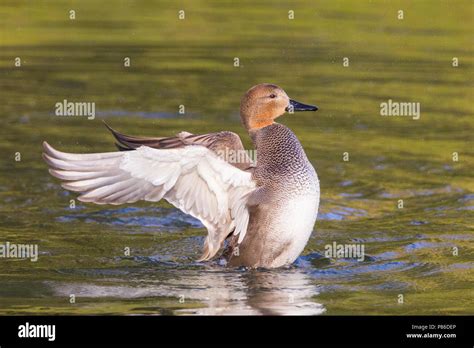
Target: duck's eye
[(273, 96)]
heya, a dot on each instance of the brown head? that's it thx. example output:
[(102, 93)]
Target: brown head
[(263, 103)]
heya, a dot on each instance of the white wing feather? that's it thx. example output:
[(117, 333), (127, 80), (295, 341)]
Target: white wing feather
[(192, 178)]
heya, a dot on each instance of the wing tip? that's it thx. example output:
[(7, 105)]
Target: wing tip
[(54, 172), (108, 127), (47, 148), (48, 159), (121, 139)]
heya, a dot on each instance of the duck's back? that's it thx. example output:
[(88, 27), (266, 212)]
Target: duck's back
[(282, 221)]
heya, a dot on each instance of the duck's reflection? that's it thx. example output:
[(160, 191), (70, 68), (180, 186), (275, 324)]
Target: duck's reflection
[(277, 292), (255, 292), (218, 291)]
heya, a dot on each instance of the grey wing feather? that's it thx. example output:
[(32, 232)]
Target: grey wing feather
[(225, 144)]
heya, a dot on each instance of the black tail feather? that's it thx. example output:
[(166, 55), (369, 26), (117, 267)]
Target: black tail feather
[(127, 143)]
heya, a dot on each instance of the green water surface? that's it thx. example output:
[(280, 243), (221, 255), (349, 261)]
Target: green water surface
[(423, 251)]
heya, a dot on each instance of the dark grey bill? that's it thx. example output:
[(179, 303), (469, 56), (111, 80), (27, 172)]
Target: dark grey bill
[(297, 106)]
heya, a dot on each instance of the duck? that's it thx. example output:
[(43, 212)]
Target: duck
[(259, 213)]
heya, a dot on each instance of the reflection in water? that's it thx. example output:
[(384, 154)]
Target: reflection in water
[(276, 293), (218, 291)]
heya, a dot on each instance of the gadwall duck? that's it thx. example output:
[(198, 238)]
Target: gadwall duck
[(261, 213)]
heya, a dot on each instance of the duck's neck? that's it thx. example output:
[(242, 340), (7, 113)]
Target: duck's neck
[(259, 123), (254, 132)]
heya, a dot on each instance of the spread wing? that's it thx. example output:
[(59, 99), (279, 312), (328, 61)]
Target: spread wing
[(225, 144), (192, 178)]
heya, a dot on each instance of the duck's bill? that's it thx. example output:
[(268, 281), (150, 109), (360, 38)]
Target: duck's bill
[(297, 106)]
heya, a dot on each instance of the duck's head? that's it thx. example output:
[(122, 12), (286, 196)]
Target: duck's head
[(263, 103)]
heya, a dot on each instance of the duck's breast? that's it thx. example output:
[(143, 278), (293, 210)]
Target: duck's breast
[(281, 225), (291, 229)]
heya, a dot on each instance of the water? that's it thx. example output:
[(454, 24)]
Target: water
[(408, 251)]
